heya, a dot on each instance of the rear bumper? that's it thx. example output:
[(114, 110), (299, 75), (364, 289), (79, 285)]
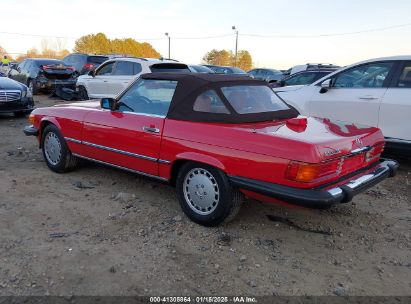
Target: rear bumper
[(43, 83), (30, 130), (319, 198)]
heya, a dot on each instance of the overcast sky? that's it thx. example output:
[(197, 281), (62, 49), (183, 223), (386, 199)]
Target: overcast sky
[(143, 19)]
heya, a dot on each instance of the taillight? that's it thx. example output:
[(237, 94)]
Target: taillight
[(31, 119), (88, 66), (306, 173), (44, 67), (374, 153), (71, 68)]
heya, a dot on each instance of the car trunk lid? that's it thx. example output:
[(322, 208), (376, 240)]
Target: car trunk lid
[(348, 147), (57, 71)]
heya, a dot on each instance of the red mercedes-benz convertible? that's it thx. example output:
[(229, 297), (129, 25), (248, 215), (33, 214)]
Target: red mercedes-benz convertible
[(217, 138)]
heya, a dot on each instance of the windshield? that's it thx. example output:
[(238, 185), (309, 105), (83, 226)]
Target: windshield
[(201, 69), (238, 71), (228, 70), (273, 72), (248, 99), (148, 96), (97, 59)]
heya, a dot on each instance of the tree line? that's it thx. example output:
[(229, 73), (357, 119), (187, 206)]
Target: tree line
[(100, 44)]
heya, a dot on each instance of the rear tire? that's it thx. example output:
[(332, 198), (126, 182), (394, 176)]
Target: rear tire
[(32, 86), (55, 151), (82, 93), (206, 196)]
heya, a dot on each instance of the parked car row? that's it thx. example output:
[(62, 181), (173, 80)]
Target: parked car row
[(82, 64), (374, 92), (298, 75), (302, 78)]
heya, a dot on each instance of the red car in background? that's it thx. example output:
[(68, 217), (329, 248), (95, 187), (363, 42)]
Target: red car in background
[(217, 138)]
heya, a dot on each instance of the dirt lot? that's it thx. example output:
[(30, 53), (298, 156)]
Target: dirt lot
[(100, 231)]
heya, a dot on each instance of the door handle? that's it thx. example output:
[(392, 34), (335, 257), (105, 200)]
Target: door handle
[(151, 129), (368, 97)]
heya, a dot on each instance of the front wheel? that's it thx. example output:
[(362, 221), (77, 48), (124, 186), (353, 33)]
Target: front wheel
[(206, 196), (55, 151), (82, 93)]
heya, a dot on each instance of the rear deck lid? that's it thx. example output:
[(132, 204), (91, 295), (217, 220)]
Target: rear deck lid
[(331, 139), (55, 69)]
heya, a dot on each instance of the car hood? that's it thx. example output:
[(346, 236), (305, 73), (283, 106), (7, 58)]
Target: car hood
[(10, 84), (89, 104), (288, 88), (72, 111)]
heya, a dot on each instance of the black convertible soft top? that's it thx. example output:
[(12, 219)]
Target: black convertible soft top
[(191, 85)]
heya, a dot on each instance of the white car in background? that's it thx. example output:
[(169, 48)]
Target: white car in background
[(375, 92), (114, 75), (310, 66)]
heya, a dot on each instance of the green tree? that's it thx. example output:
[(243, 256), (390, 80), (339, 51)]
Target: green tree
[(244, 60), (100, 44), (218, 57), (148, 51), (224, 57)]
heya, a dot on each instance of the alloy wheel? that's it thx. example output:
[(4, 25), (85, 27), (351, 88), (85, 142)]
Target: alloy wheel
[(201, 191), (52, 148)]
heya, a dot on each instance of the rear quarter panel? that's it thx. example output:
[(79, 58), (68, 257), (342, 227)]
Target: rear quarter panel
[(261, 155), (193, 141)]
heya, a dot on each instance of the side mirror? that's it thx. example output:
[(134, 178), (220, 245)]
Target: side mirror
[(108, 103), (92, 73), (325, 86)]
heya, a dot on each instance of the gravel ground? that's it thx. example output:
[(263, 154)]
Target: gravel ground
[(100, 231)]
